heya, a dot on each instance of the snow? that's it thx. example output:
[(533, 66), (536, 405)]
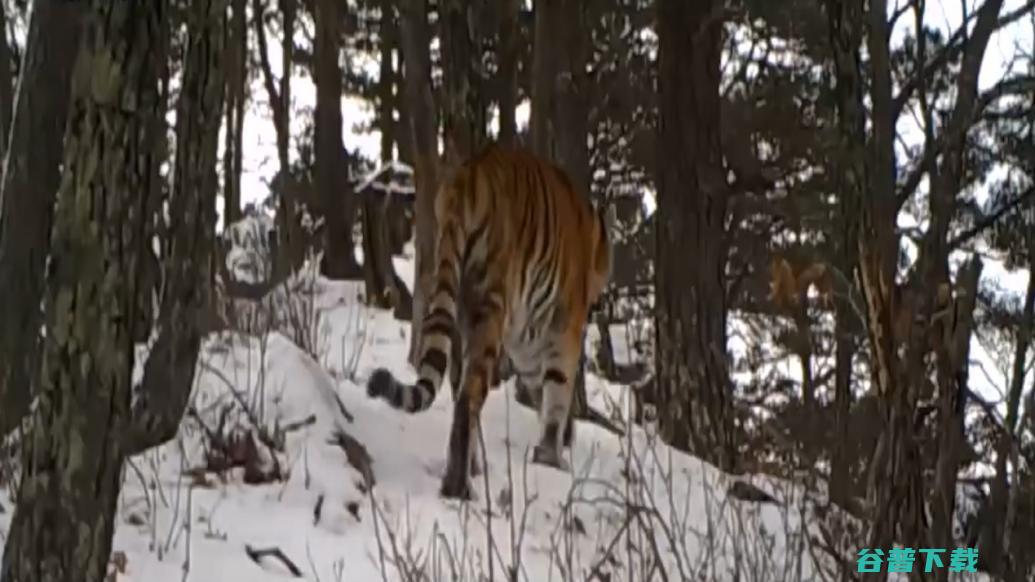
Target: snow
[(176, 523)]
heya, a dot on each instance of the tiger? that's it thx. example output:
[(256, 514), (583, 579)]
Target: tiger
[(522, 256)]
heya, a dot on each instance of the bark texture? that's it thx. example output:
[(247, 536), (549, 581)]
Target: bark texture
[(30, 180), (694, 400), (62, 527)]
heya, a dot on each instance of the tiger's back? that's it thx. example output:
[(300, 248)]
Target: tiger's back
[(520, 257)]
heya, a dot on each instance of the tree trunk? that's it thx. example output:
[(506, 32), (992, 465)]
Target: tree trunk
[(465, 109), (895, 483), (570, 118), (62, 527), (165, 389), (30, 181), (507, 56), (416, 40), (951, 351), (693, 382), (290, 247), (991, 546), (236, 95), (332, 181), (544, 35), (6, 84), (384, 288), (844, 356)]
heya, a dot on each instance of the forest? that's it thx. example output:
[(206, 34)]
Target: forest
[(815, 347)]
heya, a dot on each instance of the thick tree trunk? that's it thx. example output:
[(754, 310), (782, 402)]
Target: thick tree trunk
[(332, 181), (695, 400), (416, 40), (30, 180), (62, 527)]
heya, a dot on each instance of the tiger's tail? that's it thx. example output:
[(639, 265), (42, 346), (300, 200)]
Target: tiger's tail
[(439, 323)]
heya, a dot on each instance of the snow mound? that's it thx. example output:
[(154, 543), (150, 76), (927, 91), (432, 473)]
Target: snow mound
[(629, 506)]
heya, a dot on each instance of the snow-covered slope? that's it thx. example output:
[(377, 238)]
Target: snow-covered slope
[(178, 522)]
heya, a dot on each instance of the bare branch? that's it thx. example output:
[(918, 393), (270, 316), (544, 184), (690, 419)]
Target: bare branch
[(956, 43), (991, 219)]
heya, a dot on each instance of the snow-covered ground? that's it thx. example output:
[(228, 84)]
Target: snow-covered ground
[(176, 522)]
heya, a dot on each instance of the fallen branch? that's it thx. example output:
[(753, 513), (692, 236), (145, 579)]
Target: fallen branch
[(357, 456), (293, 426), (257, 554)]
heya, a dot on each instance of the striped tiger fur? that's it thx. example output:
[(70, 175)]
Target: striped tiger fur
[(521, 257)]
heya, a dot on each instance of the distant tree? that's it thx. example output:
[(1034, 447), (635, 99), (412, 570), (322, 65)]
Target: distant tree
[(560, 110), (694, 392), (332, 179), (236, 98), (28, 192), (383, 286), (912, 495), (464, 100), (508, 57), (290, 237), (421, 111)]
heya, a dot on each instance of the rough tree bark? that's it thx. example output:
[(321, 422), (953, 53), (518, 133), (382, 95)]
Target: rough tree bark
[(332, 181), (415, 41), (30, 180), (63, 524), (694, 399)]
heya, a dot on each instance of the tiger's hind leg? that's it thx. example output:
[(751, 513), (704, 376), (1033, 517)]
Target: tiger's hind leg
[(555, 408), (482, 349)]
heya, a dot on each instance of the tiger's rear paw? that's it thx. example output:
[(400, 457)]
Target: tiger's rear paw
[(476, 466), (550, 457), (456, 488)]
